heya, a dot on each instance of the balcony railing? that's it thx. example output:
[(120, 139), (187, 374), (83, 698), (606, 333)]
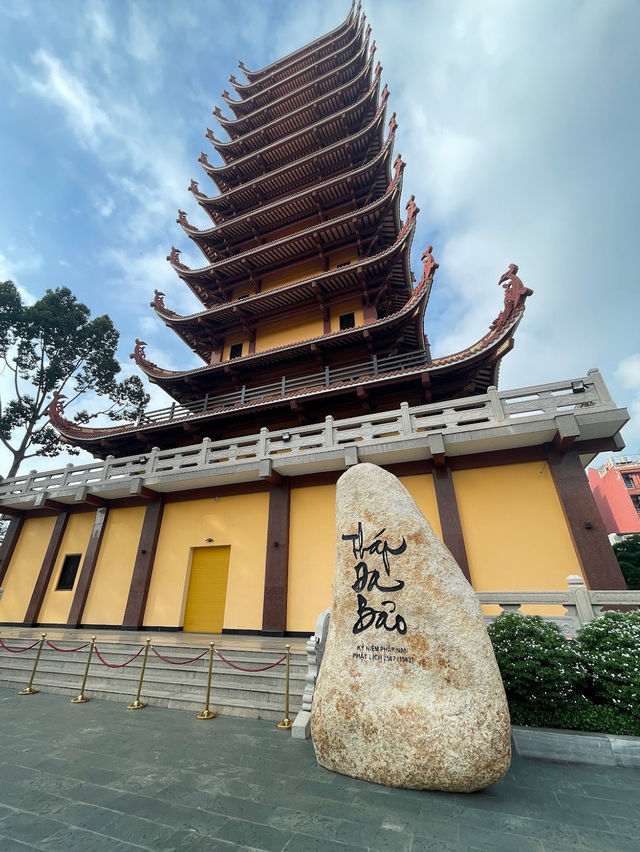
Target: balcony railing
[(403, 429), (322, 379)]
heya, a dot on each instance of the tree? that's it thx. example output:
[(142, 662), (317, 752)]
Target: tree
[(627, 553), (54, 345)]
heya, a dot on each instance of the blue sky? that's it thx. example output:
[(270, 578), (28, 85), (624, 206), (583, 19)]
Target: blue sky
[(518, 122)]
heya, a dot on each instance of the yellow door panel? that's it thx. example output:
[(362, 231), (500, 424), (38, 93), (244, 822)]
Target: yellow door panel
[(206, 597)]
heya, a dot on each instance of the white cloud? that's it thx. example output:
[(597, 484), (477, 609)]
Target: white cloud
[(62, 88)]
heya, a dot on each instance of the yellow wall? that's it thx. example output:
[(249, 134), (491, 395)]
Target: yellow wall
[(298, 272), (230, 340), (240, 522), (24, 568), (107, 597), (312, 554), (352, 306), (423, 491), (345, 255), (56, 605), (514, 529), (287, 331)]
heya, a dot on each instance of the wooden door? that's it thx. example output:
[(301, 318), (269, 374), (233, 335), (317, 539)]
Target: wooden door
[(206, 597)]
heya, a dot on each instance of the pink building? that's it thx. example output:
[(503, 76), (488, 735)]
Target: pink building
[(616, 489)]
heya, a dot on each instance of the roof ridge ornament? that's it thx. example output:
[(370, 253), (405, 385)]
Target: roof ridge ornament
[(398, 168), (515, 295), (211, 137), (373, 48), (195, 189), (174, 259), (429, 265), (393, 124), (203, 158), (55, 410), (182, 220), (233, 80)]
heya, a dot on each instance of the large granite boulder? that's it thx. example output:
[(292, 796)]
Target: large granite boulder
[(409, 693)]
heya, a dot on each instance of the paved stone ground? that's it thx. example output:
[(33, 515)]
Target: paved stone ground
[(96, 777)]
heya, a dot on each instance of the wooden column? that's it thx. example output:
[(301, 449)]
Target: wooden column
[(274, 611), (9, 544), (141, 580), (450, 517), (597, 559), (88, 567), (46, 569)]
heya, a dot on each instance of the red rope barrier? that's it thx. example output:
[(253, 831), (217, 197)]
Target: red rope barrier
[(67, 650), (116, 665), (17, 650), (241, 669), (179, 662)]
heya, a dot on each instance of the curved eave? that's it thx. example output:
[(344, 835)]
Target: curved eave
[(244, 106), (229, 175), (287, 247), (192, 328), (302, 52), (242, 228), (242, 127), (219, 203), (412, 309), (250, 142), (473, 358)]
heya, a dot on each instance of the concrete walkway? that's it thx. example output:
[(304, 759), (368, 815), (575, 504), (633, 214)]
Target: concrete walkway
[(96, 777)]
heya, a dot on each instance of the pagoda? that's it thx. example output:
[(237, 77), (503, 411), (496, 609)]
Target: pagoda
[(309, 304), (217, 513)]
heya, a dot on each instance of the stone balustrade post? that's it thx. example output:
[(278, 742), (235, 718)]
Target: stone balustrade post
[(262, 442), (328, 431), (204, 450), (406, 418), (496, 404), (580, 598), (106, 467), (600, 387), (151, 461)]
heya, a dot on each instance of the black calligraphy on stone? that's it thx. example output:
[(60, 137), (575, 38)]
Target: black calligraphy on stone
[(368, 617), (370, 579)]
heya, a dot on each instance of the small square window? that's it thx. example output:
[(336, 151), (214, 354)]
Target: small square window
[(235, 351), (69, 571), (347, 321)]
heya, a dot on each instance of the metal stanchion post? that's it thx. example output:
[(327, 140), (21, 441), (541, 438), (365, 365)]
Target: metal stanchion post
[(136, 704), (80, 699), (29, 690), (286, 723), (206, 713)]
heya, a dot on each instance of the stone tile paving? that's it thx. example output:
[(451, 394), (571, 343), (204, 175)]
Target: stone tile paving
[(96, 777)]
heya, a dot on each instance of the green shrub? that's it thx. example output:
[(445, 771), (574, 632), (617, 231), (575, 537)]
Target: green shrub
[(590, 684)]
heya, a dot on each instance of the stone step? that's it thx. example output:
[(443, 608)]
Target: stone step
[(254, 694)]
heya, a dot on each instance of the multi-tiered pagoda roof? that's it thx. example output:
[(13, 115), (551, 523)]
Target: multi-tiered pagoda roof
[(309, 305)]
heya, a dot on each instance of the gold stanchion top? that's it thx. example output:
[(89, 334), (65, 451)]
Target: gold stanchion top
[(93, 638), (213, 644), (148, 640), (44, 635), (288, 647)]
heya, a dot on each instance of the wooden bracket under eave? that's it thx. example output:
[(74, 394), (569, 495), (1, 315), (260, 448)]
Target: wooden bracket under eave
[(137, 489), (567, 430), (268, 474), (436, 448)]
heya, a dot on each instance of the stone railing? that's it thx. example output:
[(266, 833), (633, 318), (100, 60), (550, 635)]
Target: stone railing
[(581, 605), (391, 434)]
